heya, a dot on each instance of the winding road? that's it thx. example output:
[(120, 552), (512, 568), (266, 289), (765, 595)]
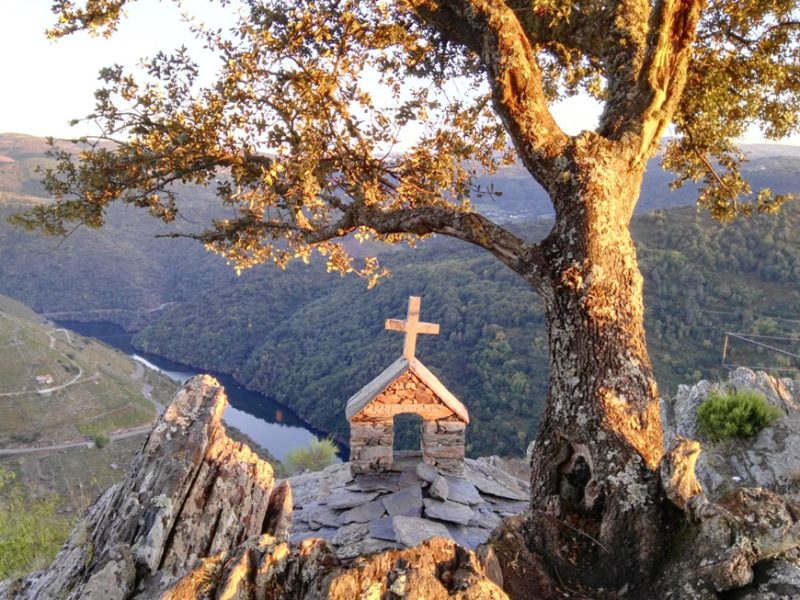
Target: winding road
[(138, 375)]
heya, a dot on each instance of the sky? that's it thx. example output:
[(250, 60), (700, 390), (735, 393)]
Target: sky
[(46, 83)]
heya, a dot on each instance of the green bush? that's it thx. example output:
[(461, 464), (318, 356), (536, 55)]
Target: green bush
[(100, 439), (31, 531), (316, 457), (738, 414)]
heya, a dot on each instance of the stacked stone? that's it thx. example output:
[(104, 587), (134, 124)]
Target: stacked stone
[(371, 444), (400, 508), (443, 444)]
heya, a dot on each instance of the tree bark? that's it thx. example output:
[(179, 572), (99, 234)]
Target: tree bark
[(596, 513)]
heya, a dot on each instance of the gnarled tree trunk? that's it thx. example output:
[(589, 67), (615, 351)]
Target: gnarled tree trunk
[(596, 514)]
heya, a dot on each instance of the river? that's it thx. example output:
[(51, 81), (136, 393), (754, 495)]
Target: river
[(270, 424)]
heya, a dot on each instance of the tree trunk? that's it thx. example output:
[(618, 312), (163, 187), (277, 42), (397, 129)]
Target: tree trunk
[(596, 513)]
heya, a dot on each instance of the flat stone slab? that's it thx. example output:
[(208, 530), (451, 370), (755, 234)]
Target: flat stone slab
[(503, 505), (364, 513), (381, 482), (485, 518), (490, 480), (468, 537), (462, 491), (355, 532), (410, 531), (407, 502), (426, 472), (448, 511), (409, 479), (382, 529), (341, 499), (323, 516)]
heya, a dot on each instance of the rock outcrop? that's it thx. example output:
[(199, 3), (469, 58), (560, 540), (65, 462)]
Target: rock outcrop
[(191, 492), (200, 516), (267, 569), (770, 459), (740, 537)]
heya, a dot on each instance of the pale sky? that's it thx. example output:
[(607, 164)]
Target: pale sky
[(48, 83)]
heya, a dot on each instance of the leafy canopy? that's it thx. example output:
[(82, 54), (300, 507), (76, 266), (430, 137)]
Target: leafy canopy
[(304, 134)]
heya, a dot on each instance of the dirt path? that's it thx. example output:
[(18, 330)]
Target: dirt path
[(122, 435)]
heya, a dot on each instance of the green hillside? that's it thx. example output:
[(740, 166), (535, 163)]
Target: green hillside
[(59, 387), (56, 390)]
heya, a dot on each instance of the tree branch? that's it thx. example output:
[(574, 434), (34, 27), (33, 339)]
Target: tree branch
[(647, 108), (492, 30)]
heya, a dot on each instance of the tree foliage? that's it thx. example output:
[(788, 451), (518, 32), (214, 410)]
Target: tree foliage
[(300, 134)]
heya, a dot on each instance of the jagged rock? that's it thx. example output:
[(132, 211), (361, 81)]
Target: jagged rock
[(774, 580), (438, 488), (279, 512), (410, 531), (452, 512), (190, 492), (684, 408), (717, 552), (268, 570)]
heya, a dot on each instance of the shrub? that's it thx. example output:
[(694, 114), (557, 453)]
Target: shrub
[(100, 439), (738, 414), (316, 457)]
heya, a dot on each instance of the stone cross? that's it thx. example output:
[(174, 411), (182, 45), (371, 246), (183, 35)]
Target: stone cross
[(412, 326)]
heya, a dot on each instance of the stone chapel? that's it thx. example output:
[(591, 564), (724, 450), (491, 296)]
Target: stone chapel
[(406, 386)]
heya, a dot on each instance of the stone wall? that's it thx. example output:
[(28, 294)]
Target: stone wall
[(371, 443), (443, 445)]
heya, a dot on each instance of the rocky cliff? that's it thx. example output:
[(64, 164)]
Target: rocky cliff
[(200, 516)]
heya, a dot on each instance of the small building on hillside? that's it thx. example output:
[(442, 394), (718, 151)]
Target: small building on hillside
[(406, 386)]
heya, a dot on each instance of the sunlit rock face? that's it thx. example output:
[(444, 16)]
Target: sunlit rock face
[(200, 516), (191, 492)]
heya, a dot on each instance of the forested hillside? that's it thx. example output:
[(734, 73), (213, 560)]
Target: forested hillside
[(310, 339)]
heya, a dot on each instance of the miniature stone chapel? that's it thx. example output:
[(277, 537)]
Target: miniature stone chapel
[(406, 386)]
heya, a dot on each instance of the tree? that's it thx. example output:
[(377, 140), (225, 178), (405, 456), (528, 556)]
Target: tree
[(304, 152)]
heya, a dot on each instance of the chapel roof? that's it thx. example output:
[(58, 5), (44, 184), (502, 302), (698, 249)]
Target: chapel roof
[(374, 388)]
